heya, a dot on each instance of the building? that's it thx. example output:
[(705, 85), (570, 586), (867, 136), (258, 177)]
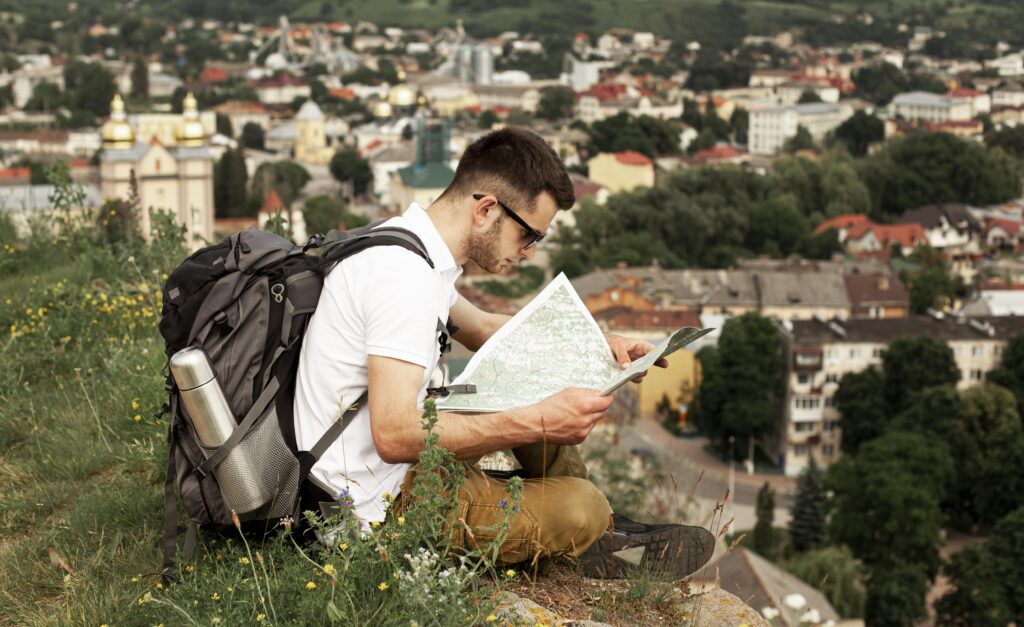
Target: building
[(164, 126), (949, 227), (819, 352), (762, 584), (995, 303), (241, 113), (870, 238), (980, 101), (429, 175), (771, 125), (923, 105), (1009, 95), (621, 171), (281, 90), (522, 97), (876, 296), (1009, 65), (311, 143), (176, 177), (791, 296)]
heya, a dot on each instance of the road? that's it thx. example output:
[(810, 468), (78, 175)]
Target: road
[(684, 460)]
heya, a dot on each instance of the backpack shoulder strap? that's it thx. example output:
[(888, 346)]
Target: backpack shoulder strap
[(358, 240)]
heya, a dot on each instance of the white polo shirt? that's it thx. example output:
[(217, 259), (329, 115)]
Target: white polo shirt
[(383, 301)]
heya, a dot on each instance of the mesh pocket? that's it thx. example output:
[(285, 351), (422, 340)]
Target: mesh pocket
[(261, 473)]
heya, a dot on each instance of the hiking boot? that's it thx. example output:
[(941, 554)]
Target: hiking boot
[(666, 549)]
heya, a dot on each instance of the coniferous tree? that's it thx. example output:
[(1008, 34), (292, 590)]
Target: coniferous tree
[(807, 523), (763, 538)]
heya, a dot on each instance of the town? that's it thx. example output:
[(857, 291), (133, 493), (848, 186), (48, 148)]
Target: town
[(842, 201)]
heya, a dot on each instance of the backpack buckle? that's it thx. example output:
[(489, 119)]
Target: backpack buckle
[(445, 390)]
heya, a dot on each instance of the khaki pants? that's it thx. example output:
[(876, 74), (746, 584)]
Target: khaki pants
[(561, 512)]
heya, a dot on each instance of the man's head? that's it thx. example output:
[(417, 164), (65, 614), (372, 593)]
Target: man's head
[(512, 182)]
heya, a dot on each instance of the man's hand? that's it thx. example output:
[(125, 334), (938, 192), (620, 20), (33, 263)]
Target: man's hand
[(626, 350), (568, 416)]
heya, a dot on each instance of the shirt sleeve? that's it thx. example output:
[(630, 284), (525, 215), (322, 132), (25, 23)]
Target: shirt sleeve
[(399, 307)]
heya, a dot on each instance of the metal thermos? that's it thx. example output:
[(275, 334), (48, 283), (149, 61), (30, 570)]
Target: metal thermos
[(213, 422)]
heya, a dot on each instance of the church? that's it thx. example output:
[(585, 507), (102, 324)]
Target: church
[(172, 176)]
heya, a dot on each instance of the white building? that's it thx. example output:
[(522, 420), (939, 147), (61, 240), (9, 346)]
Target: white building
[(1011, 95), (923, 105), (582, 75), (1009, 65), (772, 124), (821, 351), (790, 92)]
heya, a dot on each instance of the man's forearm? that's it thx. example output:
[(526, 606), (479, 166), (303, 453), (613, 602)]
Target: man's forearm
[(488, 327), (467, 436)]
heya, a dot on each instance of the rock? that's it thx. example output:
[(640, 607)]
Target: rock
[(519, 611), (718, 608)]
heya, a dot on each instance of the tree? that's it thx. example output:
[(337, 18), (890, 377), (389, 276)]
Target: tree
[(896, 597), (1010, 373), (323, 213), (912, 364), (348, 167), (556, 103), (742, 394), (859, 132), (810, 508), (45, 97), (989, 451), (89, 87), (880, 82), (230, 180), (930, 286), (486, 120), (886, 502), (1010, 139), (224, 125), (252, 136), (988, 579), (801, 141), (837, 573), (862, 408), (762, 540), (287, 177), (140, 78), (809, 95), (644, 134), (739, 124)]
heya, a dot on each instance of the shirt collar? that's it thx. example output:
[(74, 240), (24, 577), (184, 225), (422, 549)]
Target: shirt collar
[(421, 224)]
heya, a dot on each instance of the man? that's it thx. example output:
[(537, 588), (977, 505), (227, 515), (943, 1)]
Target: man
[(375, 329)]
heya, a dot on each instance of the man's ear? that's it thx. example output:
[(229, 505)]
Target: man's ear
[(483, 212)]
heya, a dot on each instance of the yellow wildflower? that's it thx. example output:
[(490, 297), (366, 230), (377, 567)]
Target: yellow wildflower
[(491, 618), (310, 585), (135, 404), (510, 573), (189, 568), (401, 520), (137, 418), (215, 596), (329, 569), (375, 524), (260, 618), (243, 560), (382, 586), (343, 546)]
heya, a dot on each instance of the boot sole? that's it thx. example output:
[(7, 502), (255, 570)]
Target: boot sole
[(671, 551)]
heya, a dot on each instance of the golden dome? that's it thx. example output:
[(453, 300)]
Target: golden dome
[(382, 109), (190, 130), (401, 96), (116, 132)]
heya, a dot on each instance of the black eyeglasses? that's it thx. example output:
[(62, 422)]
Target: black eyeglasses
[(534, 235)]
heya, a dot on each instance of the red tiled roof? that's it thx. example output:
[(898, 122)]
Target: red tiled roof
[(617, 319), (907, 235), (501, 110), (632, 157), (279, 81), (342, 93), (963, 92), (845, 221), (586, 190), (338, 26), (213, 75), (582, 36), (272, 203), (15, 173), (875, 289), (239, 106), (1012, 227), (933, 126), (605, 91), (719, 151)]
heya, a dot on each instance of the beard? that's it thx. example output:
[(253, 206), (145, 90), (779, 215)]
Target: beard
[(483, 248)]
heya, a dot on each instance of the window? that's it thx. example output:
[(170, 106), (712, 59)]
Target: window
[(831, 378), (803, 379), (832, 353), (803, 427), (976, 351), (977, 374), (828, 450), (997, 350), (800, 450), (876, 353), (854, 353), (806, 402), (830, 401), (830, 426)]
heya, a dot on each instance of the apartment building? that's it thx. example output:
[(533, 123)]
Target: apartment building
[(771, 124), (923, 105), (820, 351)]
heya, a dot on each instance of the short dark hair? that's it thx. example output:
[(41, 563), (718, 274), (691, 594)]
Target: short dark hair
[(516, 165)]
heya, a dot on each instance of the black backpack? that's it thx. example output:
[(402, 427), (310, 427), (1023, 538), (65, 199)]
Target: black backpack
[(246, 302)]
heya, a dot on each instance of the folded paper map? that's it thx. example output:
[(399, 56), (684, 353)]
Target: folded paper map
[(551, 344)]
